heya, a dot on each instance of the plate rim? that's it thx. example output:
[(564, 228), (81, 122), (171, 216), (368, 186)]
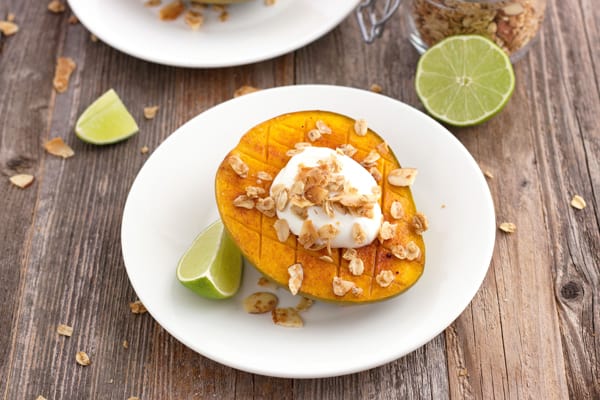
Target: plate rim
[(77, 8), (348, 370)]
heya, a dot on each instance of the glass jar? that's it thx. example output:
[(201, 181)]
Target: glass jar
[(512, 24)]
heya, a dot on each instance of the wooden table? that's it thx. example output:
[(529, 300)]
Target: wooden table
[(532, 331)]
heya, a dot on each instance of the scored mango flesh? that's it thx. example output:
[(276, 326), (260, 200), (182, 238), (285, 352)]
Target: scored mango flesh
[(263, 149)]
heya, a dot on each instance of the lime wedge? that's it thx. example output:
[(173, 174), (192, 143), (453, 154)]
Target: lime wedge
[(106, 121), (464, 80), (212, 266)]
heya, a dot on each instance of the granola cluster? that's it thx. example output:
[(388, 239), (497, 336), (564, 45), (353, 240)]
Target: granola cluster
[(511, 24)]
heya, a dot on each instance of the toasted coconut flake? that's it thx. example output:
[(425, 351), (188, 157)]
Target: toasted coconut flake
[(356, 266), (314, 135), (64, 330), (508, 227), (266, 206), (376, 88), (137, 307), (358, 234), (326, 259), (125, 344), (420, 223), (304, 304), (341, 287), (21, 180), (308, 234), (150, 112), (282, 229), (64, 68), (57, 147), (361, 127), (238, 166), (376, 174), (243, 201), (264, 176), (387, 231), (347, 149), (402, 176), (384, 278), (399, 251), (371, 158), (413, 251), (246, 89), (578, 202), (349, 254), (171, 11), (8, 28), (260, 303), (287, 317), (296, 276), (356, 291), (193, 19), (327, 232), (56, 7), (323, 127), (397, 210), (82, 358), (254, 191)]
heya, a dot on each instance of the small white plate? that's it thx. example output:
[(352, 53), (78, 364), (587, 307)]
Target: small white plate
[(172, 200), (253, 32)]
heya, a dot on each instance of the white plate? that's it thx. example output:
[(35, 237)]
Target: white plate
[(253, 32), (172, 200)]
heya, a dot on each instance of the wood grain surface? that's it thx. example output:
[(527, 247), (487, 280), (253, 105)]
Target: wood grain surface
[(531, 332)]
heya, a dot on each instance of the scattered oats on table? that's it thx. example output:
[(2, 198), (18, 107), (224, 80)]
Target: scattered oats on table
[(64, 330), (125, 344), (137, 307), (8, 28), (73, 20), (578, 202), (507, 227), (82, 358), (10, 17), (56, 7), (246, 89), (40, 398), (150, 112), (64, 68), (93, 38), (144, 150), (376, 88), (57, 147), (21, 180), (488, 174)]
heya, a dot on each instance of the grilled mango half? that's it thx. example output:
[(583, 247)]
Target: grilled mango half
[(391, 266)]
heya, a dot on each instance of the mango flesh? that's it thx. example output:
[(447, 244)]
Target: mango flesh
[(264, 148)]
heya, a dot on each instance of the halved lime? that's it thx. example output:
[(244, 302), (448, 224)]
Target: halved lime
[(106, 121), (212, 266), (464, 80)]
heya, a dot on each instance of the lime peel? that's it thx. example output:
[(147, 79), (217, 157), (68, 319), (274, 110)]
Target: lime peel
[(464, 80)]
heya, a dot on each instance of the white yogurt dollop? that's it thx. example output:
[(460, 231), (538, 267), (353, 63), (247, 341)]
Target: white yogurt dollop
[(358, 177)]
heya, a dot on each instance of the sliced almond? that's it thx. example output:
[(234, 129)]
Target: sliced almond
[(578, 202), (349, 254), (296, 277), (282, 229), (260, 302), (396, 210), (238, 166), (243, 201), (420, 223), (150, 112), (326, 259), (64, 68), (137, 307), (287, 317), (384, 278), (360, 127), (57, 147), (82, 358), (246, 89), (172, 10), (8, 28), (356, 266), (64, 330), (508, 227), (21, 180), (341, 287), (402, 176)]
